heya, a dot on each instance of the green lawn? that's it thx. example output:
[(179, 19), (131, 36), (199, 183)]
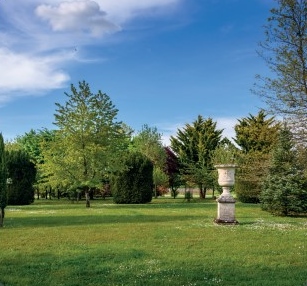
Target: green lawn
[(166, 242)]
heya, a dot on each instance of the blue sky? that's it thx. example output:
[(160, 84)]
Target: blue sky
[(162, 62)]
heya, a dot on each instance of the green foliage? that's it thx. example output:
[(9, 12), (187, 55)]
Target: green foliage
[(256, 133), (194, 146), (160, 180), (32, 143), (225, 153), (284, 195), (253, 169), (194, 143), (89, 142), (134, 184), (256, 136), (148, 141), (22, 173), (3, 176), (285, 188), (188, 196)]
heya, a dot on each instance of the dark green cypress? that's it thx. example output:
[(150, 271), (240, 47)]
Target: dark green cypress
[(3, 175), (133, 185)]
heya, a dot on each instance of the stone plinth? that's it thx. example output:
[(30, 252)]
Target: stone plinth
[(226, 202), (226, 211)]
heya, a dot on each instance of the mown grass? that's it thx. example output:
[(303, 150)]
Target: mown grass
[(166, 242)]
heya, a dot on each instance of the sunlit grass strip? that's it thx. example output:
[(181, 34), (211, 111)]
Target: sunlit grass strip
[(168, 242)]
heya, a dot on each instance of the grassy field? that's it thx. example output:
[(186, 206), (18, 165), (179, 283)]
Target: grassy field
[(166, 242)]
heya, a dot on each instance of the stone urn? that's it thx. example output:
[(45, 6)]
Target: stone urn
[(226, 202)]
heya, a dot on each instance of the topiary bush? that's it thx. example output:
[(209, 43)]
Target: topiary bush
[(134, 184), (22, 173)]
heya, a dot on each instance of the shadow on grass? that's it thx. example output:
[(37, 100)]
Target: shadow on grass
[(58, 221)]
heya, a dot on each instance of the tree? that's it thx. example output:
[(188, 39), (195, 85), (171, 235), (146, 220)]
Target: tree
[(172, 169), (284, 191), (256, 137), (3, 182), (256, 133), (194, 146), (149, 142), (22, 173), (32, 143), (285, 53), (133, 184), (89, 142)]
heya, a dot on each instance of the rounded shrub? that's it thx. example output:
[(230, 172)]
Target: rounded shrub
[(134, 184)]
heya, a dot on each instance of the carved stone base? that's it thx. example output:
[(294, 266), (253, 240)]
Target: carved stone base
[(226, 211)]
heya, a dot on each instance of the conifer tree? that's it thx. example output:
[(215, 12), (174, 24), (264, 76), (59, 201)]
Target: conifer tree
[(3, 183), (284, 191), (194, 146)]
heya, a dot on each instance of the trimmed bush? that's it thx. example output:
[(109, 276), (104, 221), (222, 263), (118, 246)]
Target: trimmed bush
[(133, 185), (22, 173)]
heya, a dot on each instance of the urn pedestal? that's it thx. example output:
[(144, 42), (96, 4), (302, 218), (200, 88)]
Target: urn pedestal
[(226, 202)]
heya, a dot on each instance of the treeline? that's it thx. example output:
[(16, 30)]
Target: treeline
[(90, 154)]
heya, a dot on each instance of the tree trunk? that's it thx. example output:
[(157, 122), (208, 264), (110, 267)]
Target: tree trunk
[(1, 217), (202, 192), (87, 198)]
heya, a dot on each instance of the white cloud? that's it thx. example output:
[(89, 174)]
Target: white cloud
[(83, 16), (22, 72), (34, 34)]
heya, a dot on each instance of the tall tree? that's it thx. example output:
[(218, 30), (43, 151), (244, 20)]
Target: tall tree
[(3, 182), (173, 171), (256, 135), (88, 142), (285, 53), (32, 143), (194, 146), (148, 141), (284, 190)]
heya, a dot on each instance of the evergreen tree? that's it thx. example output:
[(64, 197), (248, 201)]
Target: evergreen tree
[(3, 182), (133, 184), (194, 146), (256, 136), (256, 133), (22, 172), (284, 191)]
